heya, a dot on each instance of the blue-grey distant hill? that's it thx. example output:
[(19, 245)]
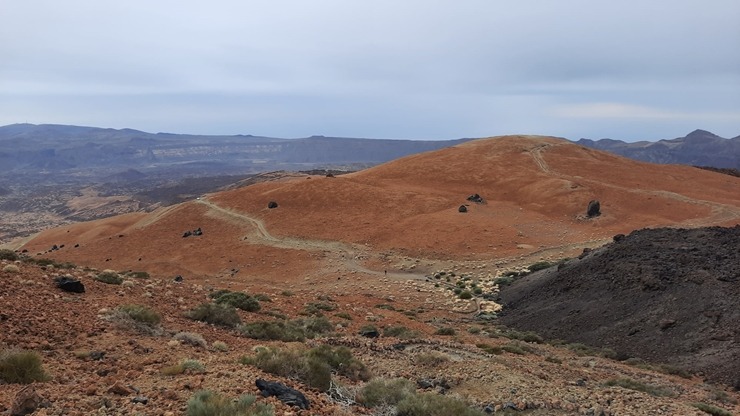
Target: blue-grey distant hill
[(61, 150), (698, 148)]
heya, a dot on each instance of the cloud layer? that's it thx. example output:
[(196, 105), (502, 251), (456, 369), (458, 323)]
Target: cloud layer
[(411, 69)]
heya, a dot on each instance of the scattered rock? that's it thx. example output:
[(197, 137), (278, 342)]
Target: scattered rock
[(617, 238), (272, 204), (285, 394), (140, 400), (594, 209), (178, 278), (69, 284), (369, 332), (187, 234), (462, 208), (198, 231), (26, 401), (120, 389), (475, 198)]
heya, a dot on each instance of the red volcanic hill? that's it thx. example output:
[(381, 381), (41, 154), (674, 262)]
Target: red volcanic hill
[(535, 190)]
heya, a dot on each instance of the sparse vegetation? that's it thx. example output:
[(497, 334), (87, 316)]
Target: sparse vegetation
[(222, 315), (191, 338), (110, 277), (317, 308), (23, 367), (662, 368), (138, 275), (465, 294), (490, 349), (526, 336), (141, 314), (445, 331), (220, 346), (540, 265), (287, 331), (432, 404), (712, 410), (401, 332), (585, 350), (631, 384), (238, 300), (208, 403), (431, 359), (6, 254), (313, 366), (11, 268), (344, 315), (385, 392), (189, 365), (553, 359)]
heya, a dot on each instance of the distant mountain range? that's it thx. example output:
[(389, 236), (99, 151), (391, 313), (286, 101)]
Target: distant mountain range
[(698, 148), (48, 150)]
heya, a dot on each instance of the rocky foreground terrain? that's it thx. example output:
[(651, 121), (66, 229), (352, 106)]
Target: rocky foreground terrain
[(98, 361)]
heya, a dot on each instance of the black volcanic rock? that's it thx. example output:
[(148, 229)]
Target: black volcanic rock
[(663, 295)]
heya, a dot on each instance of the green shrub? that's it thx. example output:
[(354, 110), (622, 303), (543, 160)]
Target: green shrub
[(11, 268), (344, 315), (220, 346), (208, 403), (431, 359), (432, 404), (540, 265), (526, 336), (401, 332), (385, 392), (316, 308), (313, 367), (191, 338), (141, 314), (222, 315), (585, 350), (504, 281), (285, 331), (110, 277), (10, 255), (138, 275), (553, 359), (490, 348), (446, 331), (21, 367), (238, 300), (631, 384), (465, 294), (514, 349), (478, 291), (712, 410)]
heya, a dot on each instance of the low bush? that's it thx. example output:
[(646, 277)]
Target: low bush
[(109, 277), (585, 350), (23, 367), (191, 338), (540, 265), (238, 300), (431, 359), (222, 315), (344, 315), (11, 268), (712, 410), (138, 275), (401, 332), (385, 392), (631, 384), (220, 346), (188, 364), (313, 367), (553, 359), (504, 281), (317, 308), (491, 349), (465, 294), (446, 331), (141, 314), (6, 254), (432, 404), (287, 331), (208, 403), (526, 336)]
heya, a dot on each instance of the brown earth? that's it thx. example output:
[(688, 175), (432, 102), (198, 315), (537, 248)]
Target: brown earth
[(664, 295), (369, 239)]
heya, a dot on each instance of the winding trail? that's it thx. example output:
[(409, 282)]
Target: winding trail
[(347, 254)]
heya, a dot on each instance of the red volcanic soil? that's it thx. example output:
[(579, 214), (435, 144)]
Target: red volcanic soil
[(536, 190)]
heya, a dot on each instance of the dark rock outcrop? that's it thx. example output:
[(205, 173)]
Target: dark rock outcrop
[(594, 209), (462, 208), (666, 295), (69, 284), (475, 198), (272, 204), (285, 394)]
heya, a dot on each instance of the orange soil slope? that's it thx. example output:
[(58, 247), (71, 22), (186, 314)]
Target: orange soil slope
[(535, 190)]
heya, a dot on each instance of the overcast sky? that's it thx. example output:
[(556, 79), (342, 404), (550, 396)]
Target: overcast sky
[(419, 69)]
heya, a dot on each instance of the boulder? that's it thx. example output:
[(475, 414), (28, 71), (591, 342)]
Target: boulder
[(69, 284), (198, 231), (475, 198), (272, 204), (594, 209), (26, 401), (462, 208), (369, 332), (285, 394)]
